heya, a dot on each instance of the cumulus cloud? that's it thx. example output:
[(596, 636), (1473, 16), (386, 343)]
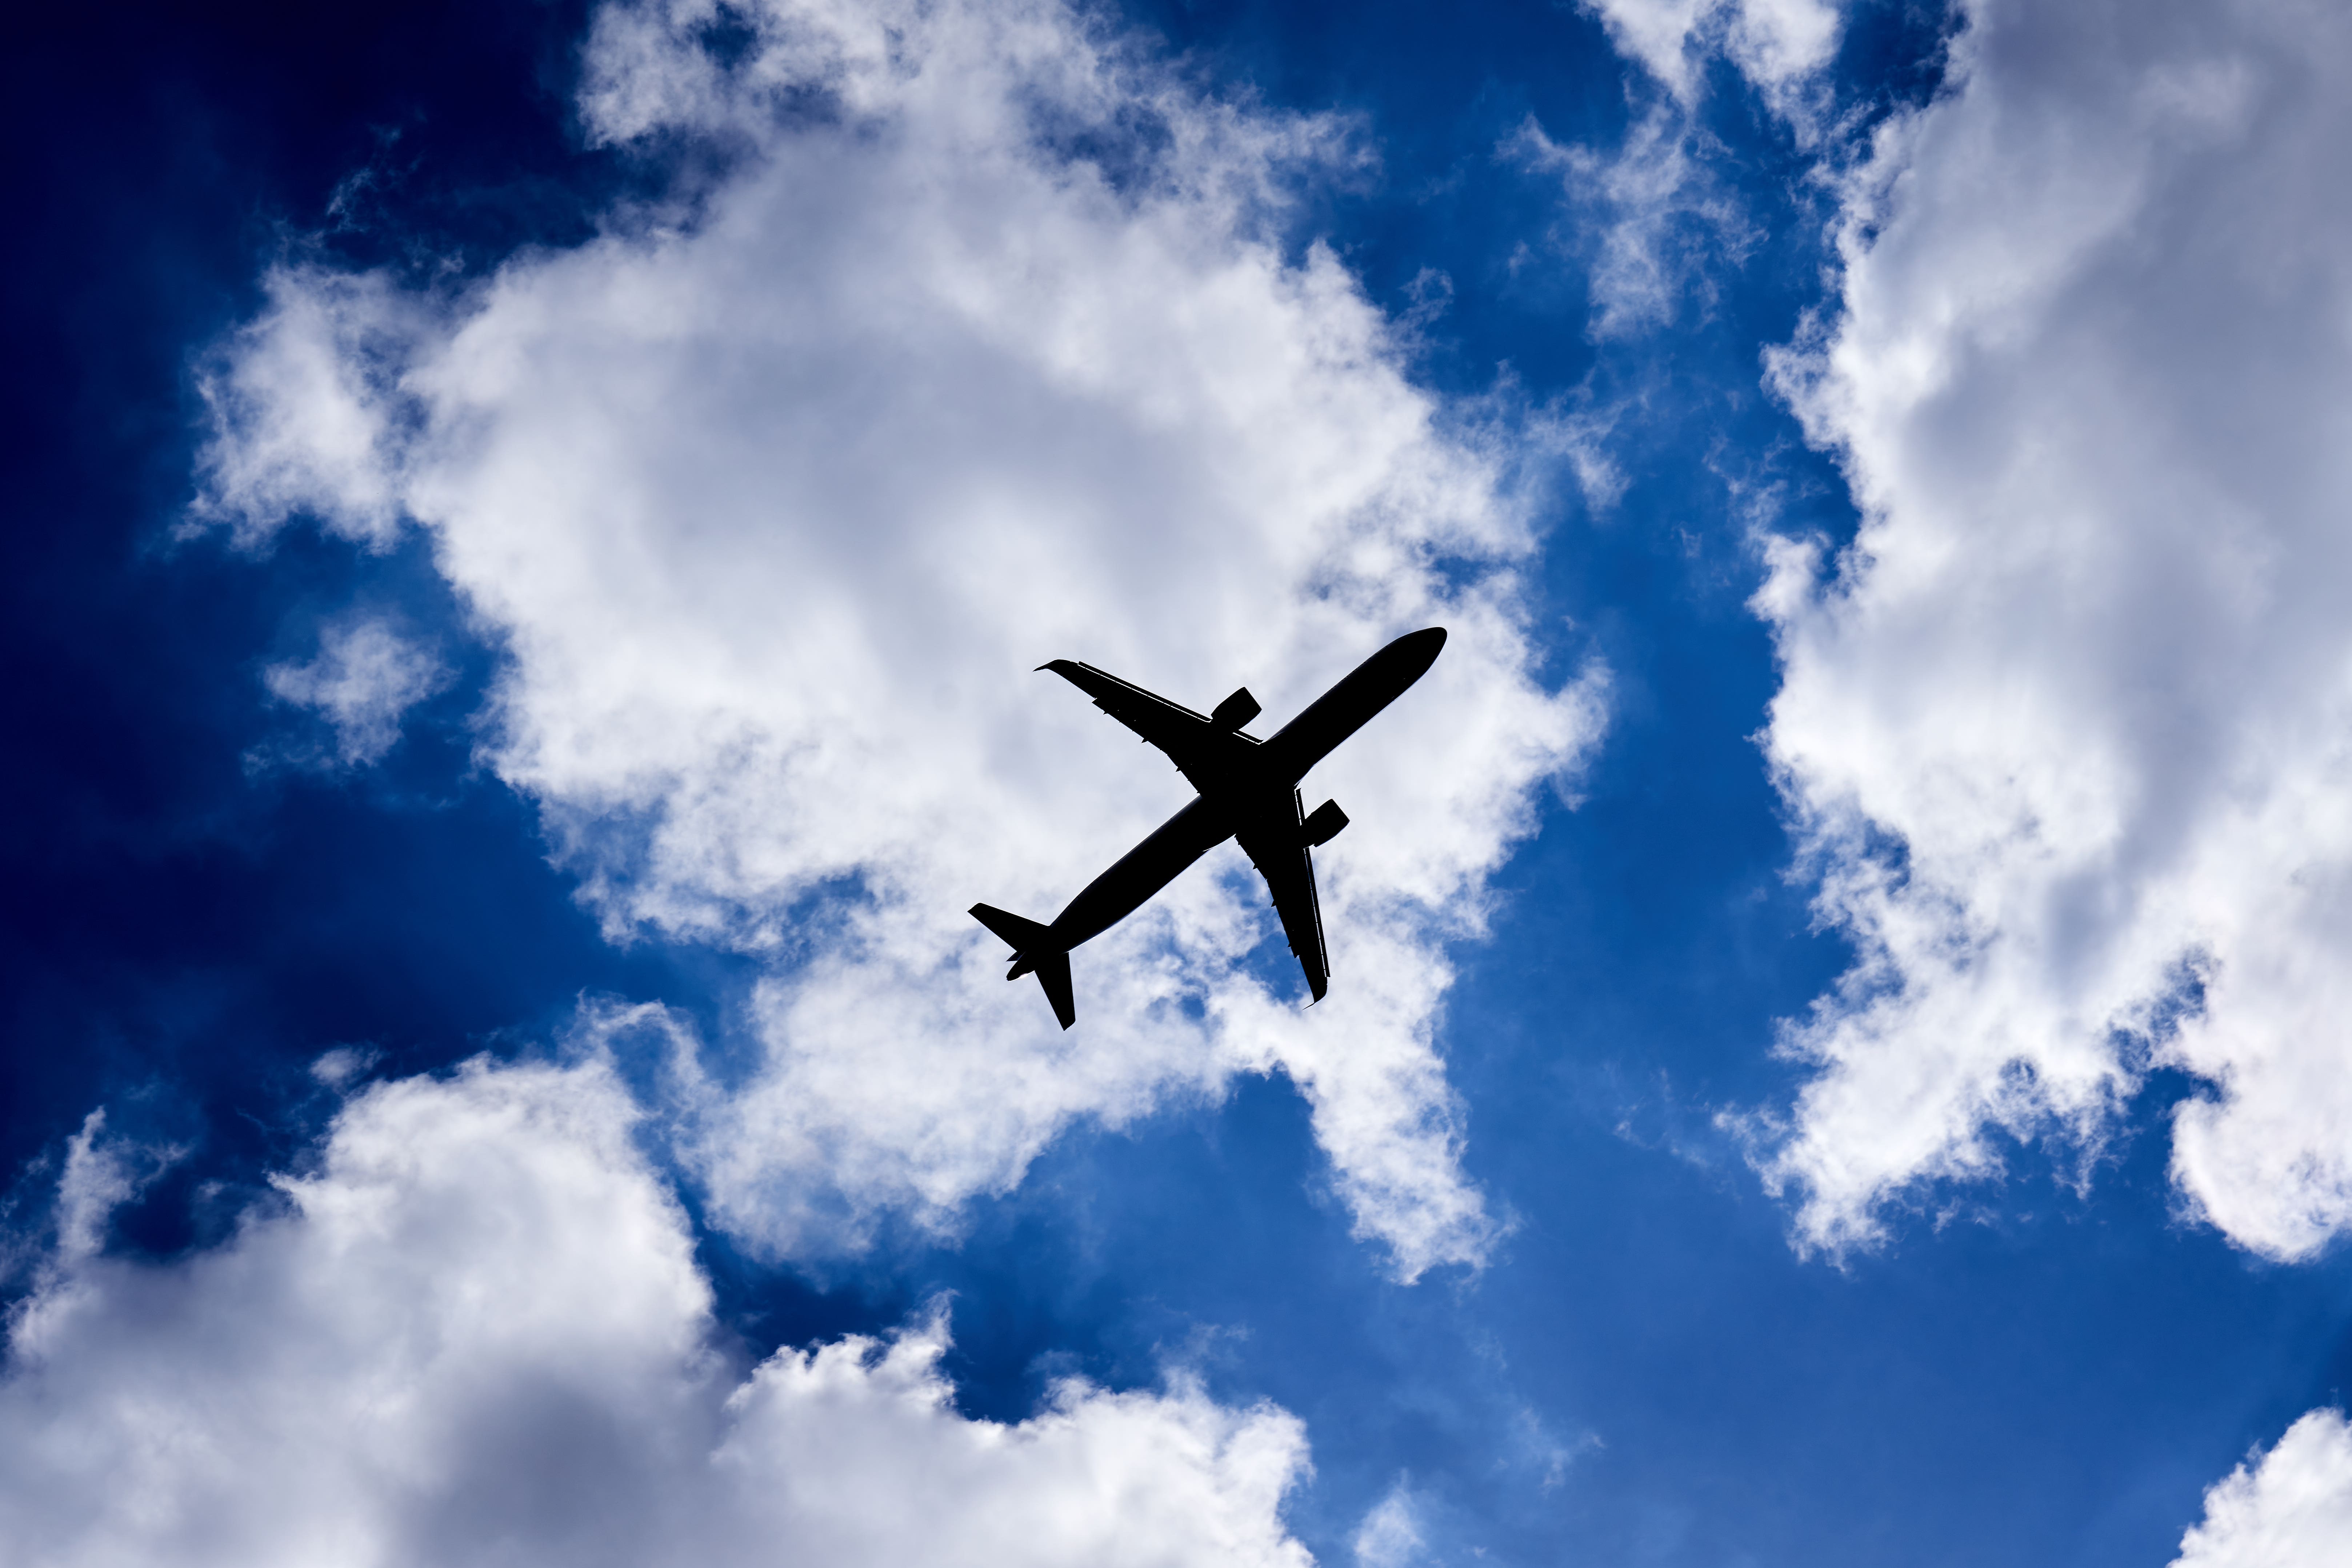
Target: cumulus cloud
[(2293, 1505), (474, 1333), (1775, 43), (986, 350), (364, 678), (2069, 726)]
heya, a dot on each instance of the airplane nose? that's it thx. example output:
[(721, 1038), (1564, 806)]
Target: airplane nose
[(1416, 651)]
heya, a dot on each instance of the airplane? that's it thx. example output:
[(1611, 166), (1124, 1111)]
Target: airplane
[(1248, 791)]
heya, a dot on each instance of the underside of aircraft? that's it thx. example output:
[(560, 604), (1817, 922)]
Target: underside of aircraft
[(1248, 791)]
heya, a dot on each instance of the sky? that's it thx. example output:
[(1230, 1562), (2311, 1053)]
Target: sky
[(531, 528)]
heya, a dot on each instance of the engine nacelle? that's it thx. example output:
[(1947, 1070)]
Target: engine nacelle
[(1235, 710), (1323, 823)]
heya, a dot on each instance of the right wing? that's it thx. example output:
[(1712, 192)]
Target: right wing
[(1200, 749), (1278, 850)]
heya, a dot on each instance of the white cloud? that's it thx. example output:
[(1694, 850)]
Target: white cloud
[(1390, 1536), (2071, 731), (776, 509), (311, 413), (1655, 209), (2291, 1509), (363, 679), (98, 1179), (474, 1333), (1775, 43)]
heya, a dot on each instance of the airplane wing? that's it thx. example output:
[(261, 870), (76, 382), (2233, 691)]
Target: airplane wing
[(1198, 746), (1279, 852)]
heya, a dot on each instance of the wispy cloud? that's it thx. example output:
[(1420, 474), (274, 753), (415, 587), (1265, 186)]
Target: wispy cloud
[(1650, 218), (1775, 43), (363, 681), (1390, 1536)]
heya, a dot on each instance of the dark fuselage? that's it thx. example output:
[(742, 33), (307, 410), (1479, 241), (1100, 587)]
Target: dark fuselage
[(1247, 780)]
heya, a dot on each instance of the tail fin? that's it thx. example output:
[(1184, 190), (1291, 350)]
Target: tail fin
[(1034, 949)]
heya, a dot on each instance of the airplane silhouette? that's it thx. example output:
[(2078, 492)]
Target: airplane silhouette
[(1249, 790)]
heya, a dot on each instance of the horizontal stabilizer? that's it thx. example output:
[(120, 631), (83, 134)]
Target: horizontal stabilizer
[(1034, 951), (1023, 936), (1053, 974)]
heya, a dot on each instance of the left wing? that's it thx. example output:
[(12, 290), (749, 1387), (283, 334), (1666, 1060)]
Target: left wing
[(1278, 850), (1202, 749)]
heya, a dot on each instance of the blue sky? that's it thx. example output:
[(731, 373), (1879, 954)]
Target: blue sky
[(530, 527)]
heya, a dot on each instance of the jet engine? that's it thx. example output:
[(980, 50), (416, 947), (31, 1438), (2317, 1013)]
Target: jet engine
[(1323, 823), (1234, 711)]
